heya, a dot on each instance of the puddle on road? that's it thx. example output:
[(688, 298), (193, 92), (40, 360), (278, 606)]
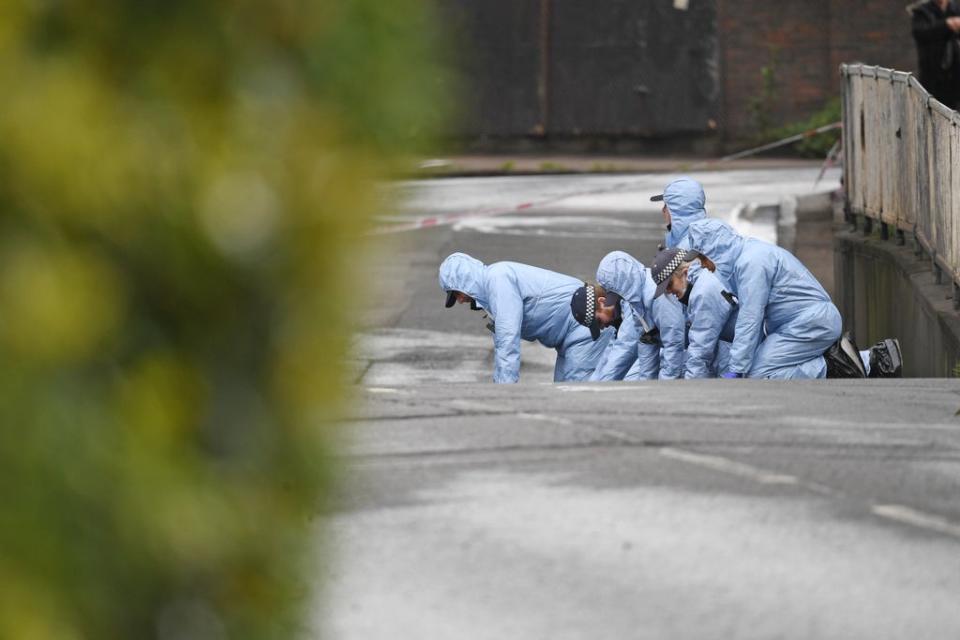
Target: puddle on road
[(404, 357)]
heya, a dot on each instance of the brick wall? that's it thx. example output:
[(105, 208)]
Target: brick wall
[(803, 42)]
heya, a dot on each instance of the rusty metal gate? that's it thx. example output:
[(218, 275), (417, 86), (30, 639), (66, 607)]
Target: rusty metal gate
[(572, 68)]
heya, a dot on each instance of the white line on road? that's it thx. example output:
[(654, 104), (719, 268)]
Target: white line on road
[(486, 409), (725, 465), (906, 515), (591, 388), (545, 418), (898, 513)]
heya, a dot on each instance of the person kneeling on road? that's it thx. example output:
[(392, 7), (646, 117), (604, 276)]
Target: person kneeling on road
[(787, 326), (622, 278), (524, 302), (596, 309), (711, 308), (684, 202)]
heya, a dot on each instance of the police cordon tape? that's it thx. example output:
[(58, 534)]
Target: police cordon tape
[(779, 143), (427, 222)]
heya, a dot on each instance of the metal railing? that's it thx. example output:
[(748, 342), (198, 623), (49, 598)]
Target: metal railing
[(901, 151)]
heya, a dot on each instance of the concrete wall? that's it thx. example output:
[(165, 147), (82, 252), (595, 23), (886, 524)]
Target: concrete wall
[(883, 290)]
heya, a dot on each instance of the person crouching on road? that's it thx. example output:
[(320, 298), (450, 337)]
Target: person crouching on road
[(524, 302), (624, 278), (594, 308), (684, 202), (711, 308), (787, 326)]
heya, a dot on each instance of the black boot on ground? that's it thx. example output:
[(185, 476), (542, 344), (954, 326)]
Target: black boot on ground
[(843, 359), (886, 361)]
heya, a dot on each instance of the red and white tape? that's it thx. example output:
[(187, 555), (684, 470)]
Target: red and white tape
[(427, 222)]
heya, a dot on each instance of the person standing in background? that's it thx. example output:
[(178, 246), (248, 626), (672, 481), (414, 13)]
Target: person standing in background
[(936, 30)]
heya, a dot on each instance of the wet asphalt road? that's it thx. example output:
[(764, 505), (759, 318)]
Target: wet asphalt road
[(701, 509)]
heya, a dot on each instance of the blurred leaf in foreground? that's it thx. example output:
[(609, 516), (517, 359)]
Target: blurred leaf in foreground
[(183, 186)]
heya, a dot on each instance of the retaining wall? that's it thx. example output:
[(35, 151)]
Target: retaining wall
[(884, 289)]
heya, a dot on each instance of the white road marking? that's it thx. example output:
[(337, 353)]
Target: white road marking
[(545, 418), (480, 407), (725, 465), (492, 225), (906, 515), (898, 513), (488, 409), (382, 390), (561, 226), (550, 233), (592, 388)]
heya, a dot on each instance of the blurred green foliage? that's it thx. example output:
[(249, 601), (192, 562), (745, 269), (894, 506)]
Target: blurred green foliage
[(761, 106), (183, 187), (819, 145)]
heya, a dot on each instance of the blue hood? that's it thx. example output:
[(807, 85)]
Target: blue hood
[(626, 276), (718, 241), (685, 199), (463, 273)]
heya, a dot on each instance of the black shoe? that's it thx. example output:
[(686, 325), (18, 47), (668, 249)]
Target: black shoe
[(886, 361), (843, 359)]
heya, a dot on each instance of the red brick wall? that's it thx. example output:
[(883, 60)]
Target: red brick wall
[(804, 41)]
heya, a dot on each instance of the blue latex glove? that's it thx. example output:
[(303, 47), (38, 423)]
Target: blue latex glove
[(730, 375)]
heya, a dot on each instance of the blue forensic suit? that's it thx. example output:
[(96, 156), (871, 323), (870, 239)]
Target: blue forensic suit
[(627, 277), (620, 359), (685, 199), (711, 317), (686, 202), (526, 303), (786, 320)]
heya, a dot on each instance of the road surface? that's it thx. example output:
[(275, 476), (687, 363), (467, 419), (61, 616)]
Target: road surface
[(699, 509)]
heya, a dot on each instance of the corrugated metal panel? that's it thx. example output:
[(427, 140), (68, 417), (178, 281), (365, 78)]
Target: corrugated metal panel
[(627, 67), (498, 53), (569, 68)]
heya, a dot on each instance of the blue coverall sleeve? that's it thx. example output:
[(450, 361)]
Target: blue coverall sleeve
[(506, 305), (648, 355), (620, 355), (708, 314), (669, 315), (753, 290), (648, 362)]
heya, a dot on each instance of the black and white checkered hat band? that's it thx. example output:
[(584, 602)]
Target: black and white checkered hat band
[(591, 305), (670, 267)]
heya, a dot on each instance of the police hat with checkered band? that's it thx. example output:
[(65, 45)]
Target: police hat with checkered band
[(583, 305), (666, 262)]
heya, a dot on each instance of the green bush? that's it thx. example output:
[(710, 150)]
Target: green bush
[(183, 186), (819, 145)]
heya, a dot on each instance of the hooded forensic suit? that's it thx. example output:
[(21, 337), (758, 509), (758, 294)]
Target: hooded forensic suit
[(526, 303), (685, 199), (660, 339), (711, 315), (619, 360), (786, 320)]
